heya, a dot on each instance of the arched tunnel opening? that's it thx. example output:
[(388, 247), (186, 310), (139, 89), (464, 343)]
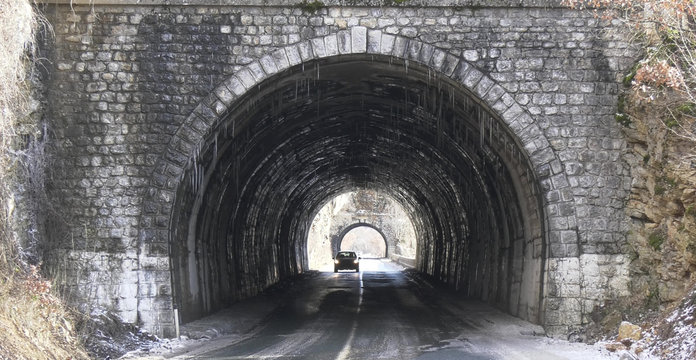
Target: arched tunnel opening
[(247, 199), (366, 241)]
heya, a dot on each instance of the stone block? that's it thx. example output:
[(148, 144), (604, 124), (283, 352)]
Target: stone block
[(374, 41), (331, 45), (358, 39), (246, 77), (426, 53), (344, 42), (413, 50), (408, 32), (569, 237), (236, 86), (225, 95), (318, 47), (281, 59), (449, 66), (387, 44), (472, 79), (568, 290), (305, 50), (400, 46), (483, 86)]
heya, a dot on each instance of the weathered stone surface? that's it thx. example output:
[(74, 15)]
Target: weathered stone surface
[(126, 85), (662, 234)]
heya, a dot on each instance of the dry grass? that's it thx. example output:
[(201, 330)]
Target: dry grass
[(33, 322), (16, 32)]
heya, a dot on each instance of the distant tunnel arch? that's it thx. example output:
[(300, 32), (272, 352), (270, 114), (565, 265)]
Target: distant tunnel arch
[(291, 140), (342, 235)]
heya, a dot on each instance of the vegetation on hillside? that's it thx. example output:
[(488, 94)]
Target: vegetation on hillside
[(34, 322), (658, 111)]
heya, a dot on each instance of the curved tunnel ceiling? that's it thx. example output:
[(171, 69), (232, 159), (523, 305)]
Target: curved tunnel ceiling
[(243, 212)]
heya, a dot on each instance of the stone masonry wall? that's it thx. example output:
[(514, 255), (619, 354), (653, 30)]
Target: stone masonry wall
[(125, 77)]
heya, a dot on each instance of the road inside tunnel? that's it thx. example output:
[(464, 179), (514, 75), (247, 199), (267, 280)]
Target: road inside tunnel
[(383, 312)]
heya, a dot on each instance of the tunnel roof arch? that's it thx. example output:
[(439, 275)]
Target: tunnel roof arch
[(186, 141)]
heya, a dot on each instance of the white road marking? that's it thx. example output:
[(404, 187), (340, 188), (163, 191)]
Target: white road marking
[(343, 355)]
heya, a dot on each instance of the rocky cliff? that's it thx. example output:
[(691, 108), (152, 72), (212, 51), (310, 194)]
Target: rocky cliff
[(662, 206)]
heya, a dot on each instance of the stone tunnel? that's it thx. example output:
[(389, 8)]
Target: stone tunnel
[(196, 141)]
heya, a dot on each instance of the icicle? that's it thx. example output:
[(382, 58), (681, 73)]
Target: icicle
[(192, 176), (481, 126), (200, 177), (490, 129), (215, 147)]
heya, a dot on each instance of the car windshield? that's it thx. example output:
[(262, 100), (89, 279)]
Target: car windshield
[(345, 255)]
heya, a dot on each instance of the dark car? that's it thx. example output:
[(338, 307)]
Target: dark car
[(346, 260)]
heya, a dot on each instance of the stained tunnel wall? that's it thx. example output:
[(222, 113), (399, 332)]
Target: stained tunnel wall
[(139, 93)]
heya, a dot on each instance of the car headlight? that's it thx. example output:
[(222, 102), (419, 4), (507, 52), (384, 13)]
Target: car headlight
[(335, 261), (356, 261)]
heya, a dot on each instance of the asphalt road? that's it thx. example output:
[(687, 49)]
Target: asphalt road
[(382, 313)]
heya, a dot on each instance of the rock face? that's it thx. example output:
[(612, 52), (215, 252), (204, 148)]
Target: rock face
[(663, 209)]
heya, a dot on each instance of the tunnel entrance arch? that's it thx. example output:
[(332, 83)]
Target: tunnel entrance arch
[(474, 189), (342, 236)]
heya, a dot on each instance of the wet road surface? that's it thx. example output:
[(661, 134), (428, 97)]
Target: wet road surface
[(383, 313)]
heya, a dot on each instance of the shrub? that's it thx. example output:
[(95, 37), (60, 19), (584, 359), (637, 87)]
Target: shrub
[(656, 239)]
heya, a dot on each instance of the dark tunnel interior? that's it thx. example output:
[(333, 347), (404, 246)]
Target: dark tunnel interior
[(244, 207)]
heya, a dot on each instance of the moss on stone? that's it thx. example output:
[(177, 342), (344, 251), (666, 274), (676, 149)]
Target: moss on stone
[(311, 7), (655, 240)]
